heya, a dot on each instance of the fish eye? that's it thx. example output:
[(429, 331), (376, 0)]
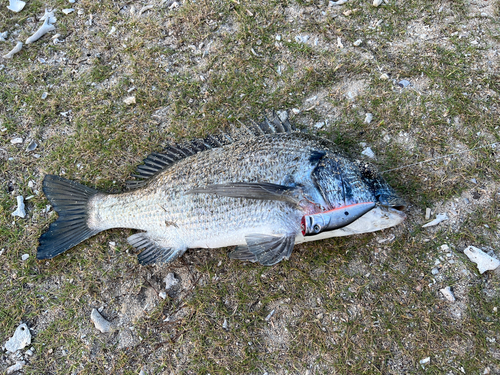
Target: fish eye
[(316, 228), (346, 213)]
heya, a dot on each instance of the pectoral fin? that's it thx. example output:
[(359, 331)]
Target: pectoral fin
[(153, 252), (248, 190), (265, 249)]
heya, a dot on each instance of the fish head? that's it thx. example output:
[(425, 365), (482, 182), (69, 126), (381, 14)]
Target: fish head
[(352, 198)]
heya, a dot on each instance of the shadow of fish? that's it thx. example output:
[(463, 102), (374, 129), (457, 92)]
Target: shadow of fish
[(263, 189)]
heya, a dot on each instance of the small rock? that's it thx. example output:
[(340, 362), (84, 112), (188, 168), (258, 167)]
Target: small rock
[(368, 118), (29, 352), (368, 152), (425, 361), (384, 76), (162, 294), (487, 371), (339, 42), (428, 213), (21, 339), (68, 10), (16, 141), (224, 325), (435, 271), (295, 111), (473, 180), (357, 43), (25, 257), (44, 95), (20, 207), (484, 261), (448, 294), (130, 100), (100, 323), (319, 125), (404, 83), (14, 368), (170, 281), (377, 3), (439, 218)]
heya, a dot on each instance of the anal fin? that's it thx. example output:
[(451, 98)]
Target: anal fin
[(267, 249), (153, 252)]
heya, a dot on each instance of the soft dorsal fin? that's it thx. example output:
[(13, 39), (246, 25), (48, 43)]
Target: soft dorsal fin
[(159, 161)]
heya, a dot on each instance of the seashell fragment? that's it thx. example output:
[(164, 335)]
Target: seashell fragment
[(368, 152), (484, 261), (339, 2), (20, 339), (16, 5), (20, 207), (14, 50), (146, 8), (68, 10), (3, 36), (130, 100), (376, 3), (47, 26), (18, 366)]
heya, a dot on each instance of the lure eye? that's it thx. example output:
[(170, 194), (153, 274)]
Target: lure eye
[(317, 228)]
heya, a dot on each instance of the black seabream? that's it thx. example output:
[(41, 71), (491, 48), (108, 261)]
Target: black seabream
[(262, 189)]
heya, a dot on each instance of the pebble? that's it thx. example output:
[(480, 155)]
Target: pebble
[(3, 36), (428, 213), (16, 141), (448, 294), (295, 111), (377, 3), (20, 339), (425, 361), (368, 118), (25, 257), (16, 5), (384, 76), (68, 10), (130, 100), (224, 325), (20, 207), (439, 218), (162, 294), (435, 271), (484, 261), (368, 152), (170, 281), (473, 180), (14, 368), (44, 95), (357, 43), (100, 323), (404, 83), (319, 125)]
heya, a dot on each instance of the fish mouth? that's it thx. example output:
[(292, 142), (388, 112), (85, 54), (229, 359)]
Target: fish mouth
[(376, 219)]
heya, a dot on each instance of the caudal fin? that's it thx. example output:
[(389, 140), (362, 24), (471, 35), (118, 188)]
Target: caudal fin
[(70, 201)]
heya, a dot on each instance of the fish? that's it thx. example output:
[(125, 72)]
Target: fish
[(262, 188)]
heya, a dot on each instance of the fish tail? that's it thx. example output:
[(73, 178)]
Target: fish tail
[(70, 200)]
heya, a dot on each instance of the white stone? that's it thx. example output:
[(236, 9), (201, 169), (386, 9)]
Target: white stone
[(428, 213), (368, 118), (376, 3), (3, 36), (100, 323), (357, 43), (21, 339), (16, 141), (368, 152), (68, 10), (338, 2), (25, 257), (484, 261), (425, 360), (170, 281), (439, 218), (16, 5), (15, 368), (130, 100), (224, 324), (20, 207), (162, 294), (448, 294)]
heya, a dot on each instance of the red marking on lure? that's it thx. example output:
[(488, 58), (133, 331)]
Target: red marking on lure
[(333, 219)]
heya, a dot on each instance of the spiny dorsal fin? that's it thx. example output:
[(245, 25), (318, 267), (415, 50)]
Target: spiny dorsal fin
[(159, 161)]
